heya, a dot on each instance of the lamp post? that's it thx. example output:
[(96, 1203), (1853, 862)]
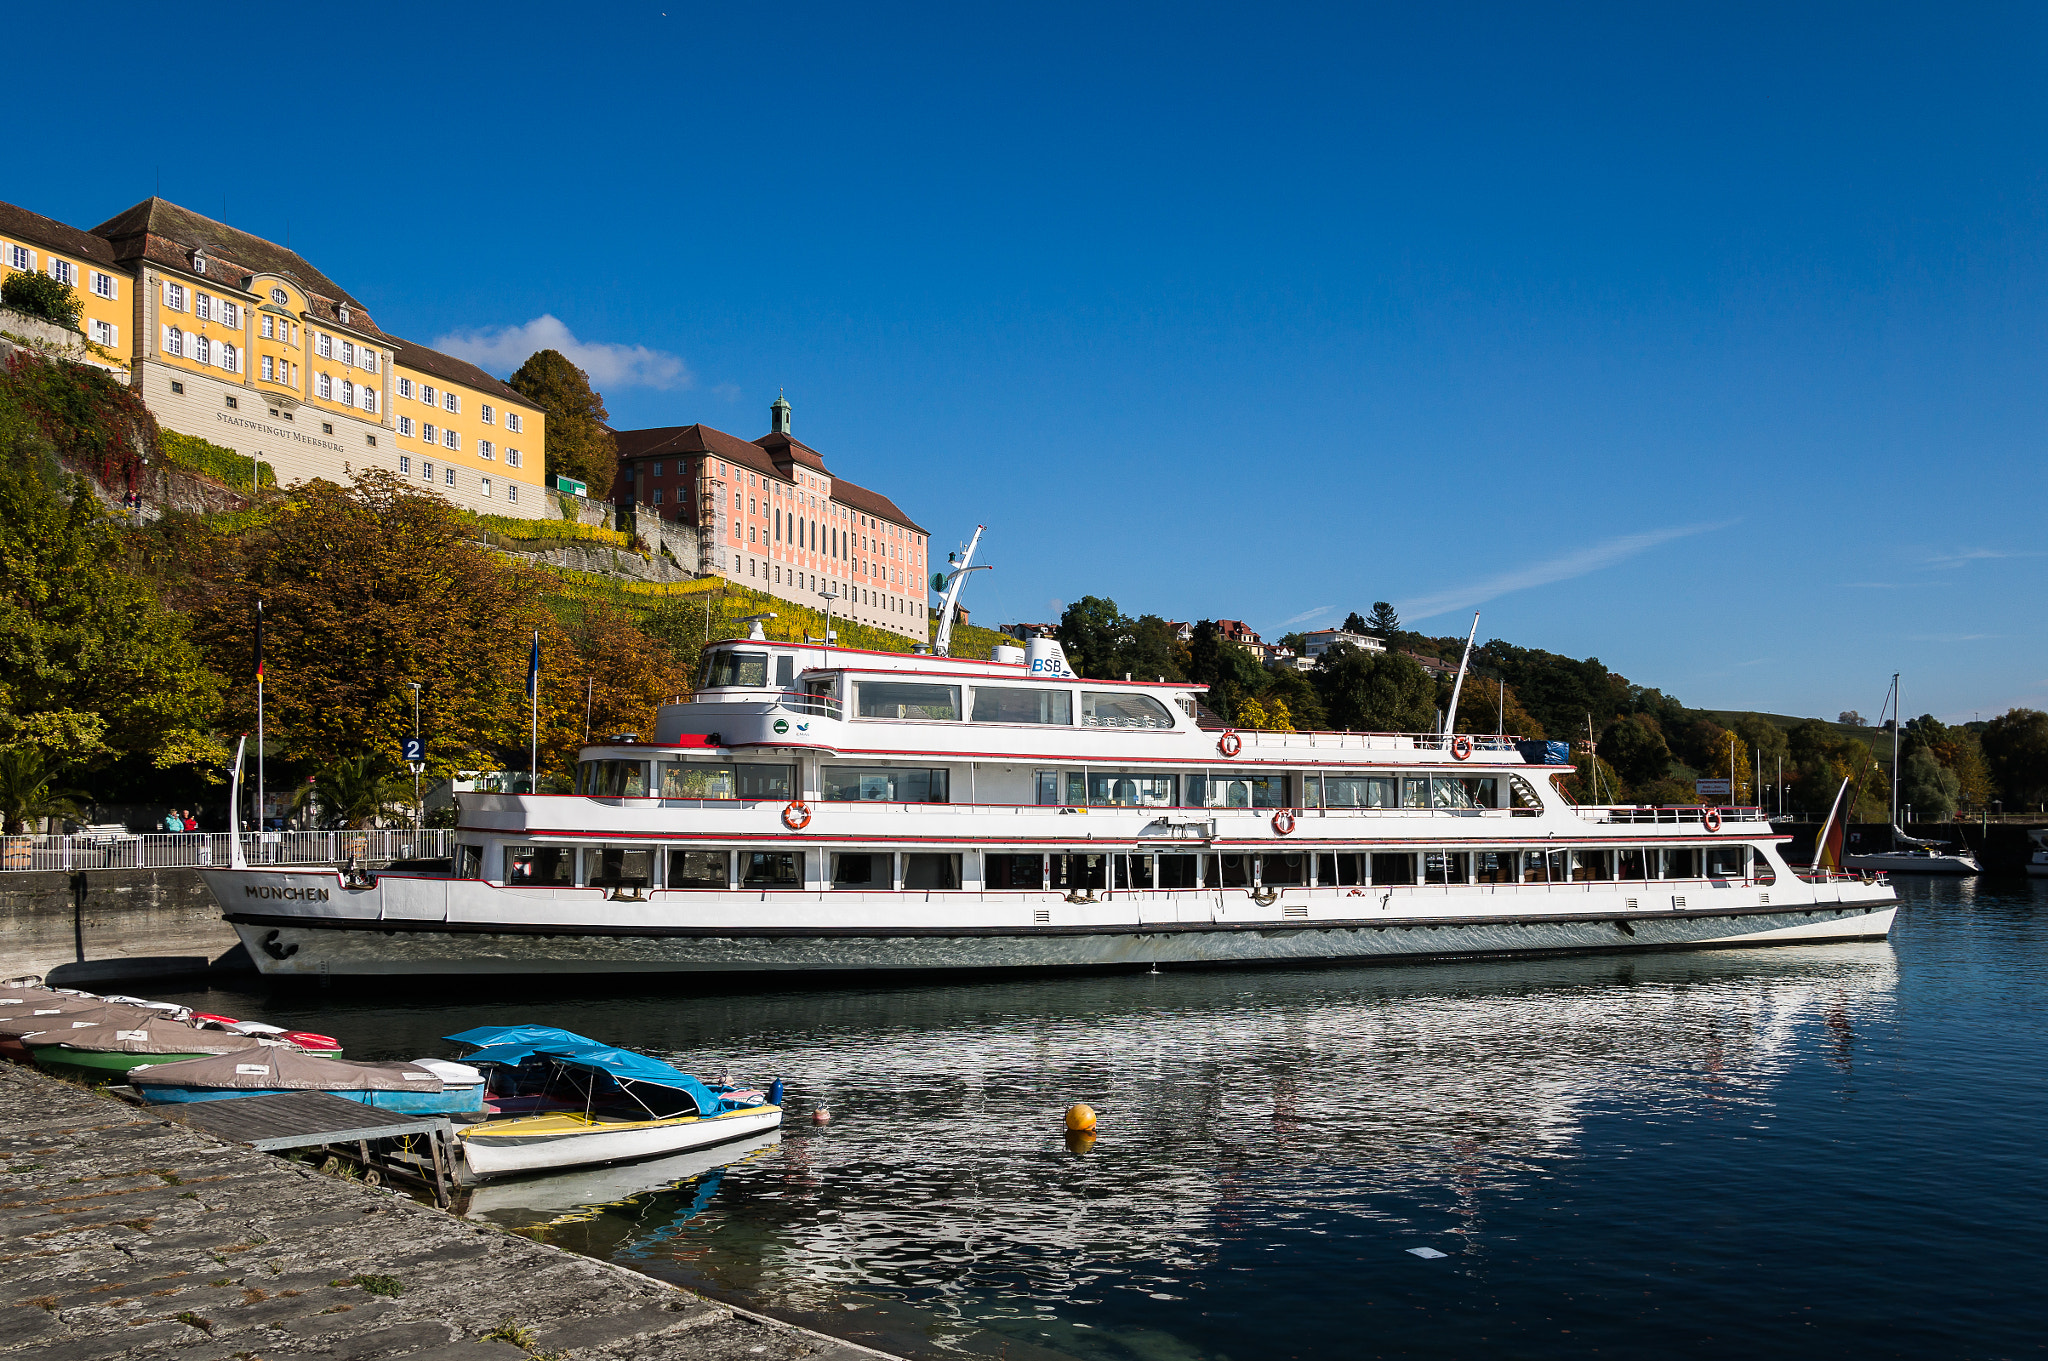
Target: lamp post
[(830, 594), (419, 813)]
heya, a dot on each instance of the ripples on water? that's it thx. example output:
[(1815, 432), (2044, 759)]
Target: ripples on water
[(1780, 1151)]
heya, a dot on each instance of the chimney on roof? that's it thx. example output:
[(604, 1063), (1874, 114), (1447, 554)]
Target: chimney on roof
[(778, 416)]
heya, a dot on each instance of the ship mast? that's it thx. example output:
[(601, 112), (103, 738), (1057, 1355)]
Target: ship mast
[(943, 645)]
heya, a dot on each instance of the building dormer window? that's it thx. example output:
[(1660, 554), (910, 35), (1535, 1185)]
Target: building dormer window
[(198, 262), (279, 296), (342, 312)]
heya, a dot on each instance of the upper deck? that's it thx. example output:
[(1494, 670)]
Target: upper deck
[(1027, 706)]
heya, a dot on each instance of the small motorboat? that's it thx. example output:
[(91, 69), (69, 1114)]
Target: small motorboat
[(27, 1011), (427, 1087), (515, 1203), (562, 1100), (2037, 862), (118, 1039)]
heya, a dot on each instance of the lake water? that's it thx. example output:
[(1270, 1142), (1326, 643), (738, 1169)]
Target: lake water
[(1782, 1152)]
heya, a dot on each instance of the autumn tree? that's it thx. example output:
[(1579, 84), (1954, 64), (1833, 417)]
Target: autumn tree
[(2016, 748), (1490, 705), (579, 444)]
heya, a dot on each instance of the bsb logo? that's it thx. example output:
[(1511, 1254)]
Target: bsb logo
[(781, 725)]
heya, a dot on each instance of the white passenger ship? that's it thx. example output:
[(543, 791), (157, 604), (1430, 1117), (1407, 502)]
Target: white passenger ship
[(822, 809)]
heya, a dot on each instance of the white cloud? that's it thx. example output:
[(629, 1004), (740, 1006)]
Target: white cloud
[(1963, 557), (505, 348), (1576, 564), (1307, 615)]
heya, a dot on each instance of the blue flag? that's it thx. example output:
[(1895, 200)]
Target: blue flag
[(533, 669)]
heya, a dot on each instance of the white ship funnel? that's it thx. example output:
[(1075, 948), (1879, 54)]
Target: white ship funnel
[(1044, 658)]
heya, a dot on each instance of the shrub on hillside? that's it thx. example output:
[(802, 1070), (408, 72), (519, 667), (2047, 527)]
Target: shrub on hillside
[(97, 422), (203, 456), (41, 296)]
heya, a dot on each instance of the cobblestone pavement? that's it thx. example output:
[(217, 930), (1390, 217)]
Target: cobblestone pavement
[(122, 1235)]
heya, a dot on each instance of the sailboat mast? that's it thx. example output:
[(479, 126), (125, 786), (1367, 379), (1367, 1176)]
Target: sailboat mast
[(1895, 760)]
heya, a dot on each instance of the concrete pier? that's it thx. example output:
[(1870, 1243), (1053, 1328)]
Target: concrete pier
[(124, 1235)]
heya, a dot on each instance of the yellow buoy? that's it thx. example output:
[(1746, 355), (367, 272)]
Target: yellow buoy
[(1080, 1118), (1079, 1141)]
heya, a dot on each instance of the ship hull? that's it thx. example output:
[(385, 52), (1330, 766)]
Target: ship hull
[(284, 946)]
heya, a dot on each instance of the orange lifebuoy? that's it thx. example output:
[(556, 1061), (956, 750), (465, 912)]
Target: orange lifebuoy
[(1461, 747), (1711, 819), (1283, 821), (1230, 744), (797, 816)]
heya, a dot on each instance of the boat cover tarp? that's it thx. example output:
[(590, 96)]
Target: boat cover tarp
[(84, 1016), (279, 1068), (627, 1066), (153, 1034), (488, 1036)]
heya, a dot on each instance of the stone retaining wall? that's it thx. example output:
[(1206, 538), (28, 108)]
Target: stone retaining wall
[(94, 926)]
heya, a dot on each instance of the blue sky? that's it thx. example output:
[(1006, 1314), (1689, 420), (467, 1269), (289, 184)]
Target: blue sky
[(1706, 342)]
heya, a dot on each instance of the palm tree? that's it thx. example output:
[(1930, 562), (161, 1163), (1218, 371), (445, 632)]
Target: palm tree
[(27, 789), (356, 792)]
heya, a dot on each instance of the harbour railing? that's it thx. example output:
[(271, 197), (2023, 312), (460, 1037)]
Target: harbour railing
[(1685, 812), (186, 850)]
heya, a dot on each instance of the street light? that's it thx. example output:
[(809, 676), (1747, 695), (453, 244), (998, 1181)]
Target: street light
[(830, 594), (419, 813)]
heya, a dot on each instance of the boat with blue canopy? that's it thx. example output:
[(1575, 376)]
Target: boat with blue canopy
[(564, 1100)]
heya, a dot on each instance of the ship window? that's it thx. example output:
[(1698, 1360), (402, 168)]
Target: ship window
[(1019, 704), (1122, 790), (867, 784), (928, 870), (1481, 791), (1523, 794), (718, 780), (1134, 871), (1228, 871), (861, 869), (1682, 862), (1286, 870), (1445, 793), (1592, 866), (901, 699), (736, 668), (1177, 871), (1238, 791), (1629, 863), (772, 869), (1725, 862), (1494, 867), (612, 779), (1003, 870), (1114, 709), (1359, 791), (1760, 866), (1343, 870), (1079, 870), (1446, 867), (1393, 868), (618, 866), (539, 866), (785, 665), (699, 869), (1415, 791), (469, 862)]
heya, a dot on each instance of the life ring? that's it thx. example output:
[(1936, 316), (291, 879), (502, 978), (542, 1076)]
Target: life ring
[(1283, 821), (1461, 748), (1230, 744), (797, 816), (1711, 819)]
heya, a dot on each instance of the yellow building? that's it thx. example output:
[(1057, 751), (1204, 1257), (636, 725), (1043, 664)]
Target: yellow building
[(242, 342)]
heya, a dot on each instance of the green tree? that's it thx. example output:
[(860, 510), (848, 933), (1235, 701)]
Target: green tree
[(29, 790), (1231, 673), (39, 295), (1486, 706), (579, 444), (357, 792), (1354, 622), (1285, 685), (1154, 652), (1094, 634), (1931, 789), (1635, 747), (1375, 691), (2016, 749), (1383, 621), (92, 664)]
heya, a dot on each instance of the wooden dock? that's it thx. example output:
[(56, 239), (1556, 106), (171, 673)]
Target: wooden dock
[(344, 1128), (126, 1234)]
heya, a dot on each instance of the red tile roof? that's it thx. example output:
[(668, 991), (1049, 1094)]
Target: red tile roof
[(681, 441), (162, 233), (37, 230)]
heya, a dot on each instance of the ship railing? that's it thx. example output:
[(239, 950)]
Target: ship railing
[(1675, 813), (1373, 741), (817, 706), (201, 850), (1809, 875)]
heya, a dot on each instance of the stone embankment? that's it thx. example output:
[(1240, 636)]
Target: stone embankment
[(124, 1235), (89, 927)]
